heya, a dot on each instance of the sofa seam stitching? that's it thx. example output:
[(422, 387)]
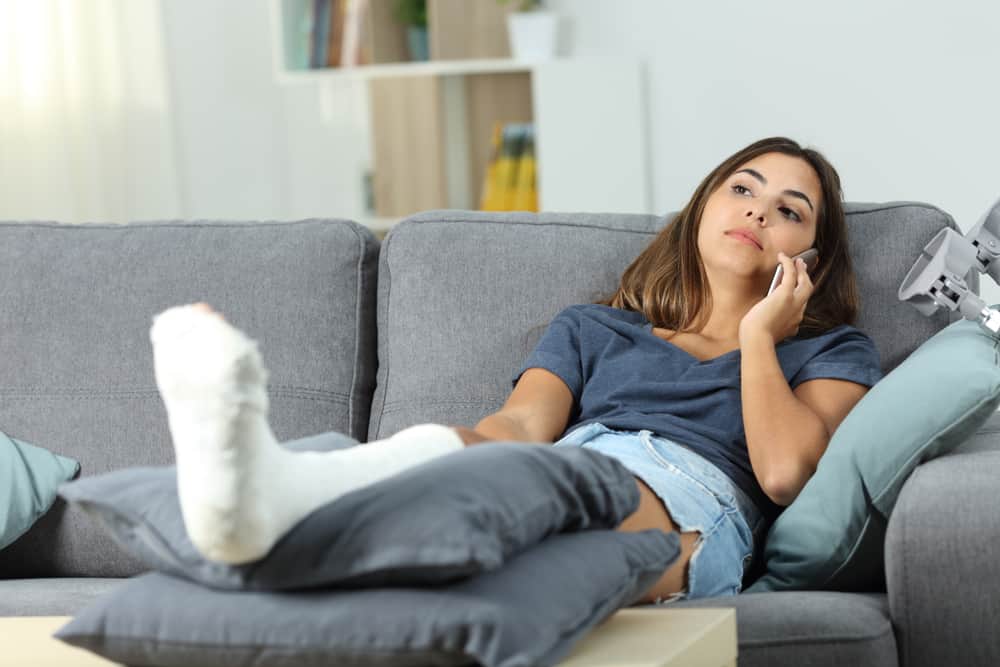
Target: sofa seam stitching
[(905, 648), (387, 246), (764, 643), (410, 222), (402, 406), (357, 333), (87, 393)]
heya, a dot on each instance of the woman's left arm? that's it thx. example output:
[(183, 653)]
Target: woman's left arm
[(785, 437)]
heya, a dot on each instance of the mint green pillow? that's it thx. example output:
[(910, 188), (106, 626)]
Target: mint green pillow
[(29, 477), (831, 537)]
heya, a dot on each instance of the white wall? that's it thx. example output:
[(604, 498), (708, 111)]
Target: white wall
[(901, 96), (249, 148)]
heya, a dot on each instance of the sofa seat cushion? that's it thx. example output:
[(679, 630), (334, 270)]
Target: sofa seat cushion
[(58, 596), (815, 628)]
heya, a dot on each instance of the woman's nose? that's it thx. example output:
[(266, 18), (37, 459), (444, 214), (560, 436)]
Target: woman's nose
[(760, 218)]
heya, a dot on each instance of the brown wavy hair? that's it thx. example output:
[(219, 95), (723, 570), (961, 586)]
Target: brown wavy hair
[(667, 281)]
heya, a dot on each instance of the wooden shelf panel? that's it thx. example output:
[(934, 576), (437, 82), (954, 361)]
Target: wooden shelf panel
[(384, 37), (466, 29), (489, 99), (409, 147), (429, 68)]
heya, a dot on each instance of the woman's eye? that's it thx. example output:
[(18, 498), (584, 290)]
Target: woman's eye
[(740, 189), (789, 213)]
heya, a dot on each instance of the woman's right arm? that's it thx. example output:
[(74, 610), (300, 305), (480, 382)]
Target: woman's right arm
[(537, 410)]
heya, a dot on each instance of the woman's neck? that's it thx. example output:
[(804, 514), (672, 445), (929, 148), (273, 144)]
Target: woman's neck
[(728, 310)]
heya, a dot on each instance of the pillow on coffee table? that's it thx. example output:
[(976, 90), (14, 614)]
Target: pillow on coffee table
[(531, 611)]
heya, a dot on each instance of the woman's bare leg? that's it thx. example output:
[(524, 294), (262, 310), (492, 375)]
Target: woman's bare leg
[(651, 513), (239, 490)]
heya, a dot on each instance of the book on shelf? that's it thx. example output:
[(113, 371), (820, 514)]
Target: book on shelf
[(353, 51), (302, 40), (525, 190), (335, 40), (334, 33), (510, 181), (321, 11)]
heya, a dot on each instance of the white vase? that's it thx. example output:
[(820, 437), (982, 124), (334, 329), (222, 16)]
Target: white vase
[(532, 35)]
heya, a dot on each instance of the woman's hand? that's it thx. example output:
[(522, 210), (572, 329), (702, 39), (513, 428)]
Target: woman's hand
[(779, 314)]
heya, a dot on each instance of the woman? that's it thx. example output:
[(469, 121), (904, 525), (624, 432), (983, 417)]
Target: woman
[(687, 350)]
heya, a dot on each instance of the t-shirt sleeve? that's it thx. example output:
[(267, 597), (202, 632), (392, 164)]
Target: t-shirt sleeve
[(558, 351), (850, 355)]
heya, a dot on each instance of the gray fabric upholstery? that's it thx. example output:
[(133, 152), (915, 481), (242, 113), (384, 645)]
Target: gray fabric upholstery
[(55, 596), (476, 311), (810, 629), (986, 439), (76, 305), (942, 569)]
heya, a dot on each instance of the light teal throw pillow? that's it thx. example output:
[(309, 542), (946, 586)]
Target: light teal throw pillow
[(29, 477), (831, 537)]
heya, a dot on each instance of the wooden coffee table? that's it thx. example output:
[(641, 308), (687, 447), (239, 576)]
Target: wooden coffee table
[(660, 638), (630, 638)]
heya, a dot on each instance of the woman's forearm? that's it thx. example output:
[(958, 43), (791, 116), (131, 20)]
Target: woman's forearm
[(781, 431), (500, 426)]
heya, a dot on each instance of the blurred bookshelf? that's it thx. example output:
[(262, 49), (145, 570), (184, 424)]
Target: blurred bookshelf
[(435, 123)]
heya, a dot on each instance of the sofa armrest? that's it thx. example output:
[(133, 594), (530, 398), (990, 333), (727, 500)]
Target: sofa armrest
[(942, 565)]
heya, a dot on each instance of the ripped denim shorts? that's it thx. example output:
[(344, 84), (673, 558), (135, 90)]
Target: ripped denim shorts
[(697, 495)]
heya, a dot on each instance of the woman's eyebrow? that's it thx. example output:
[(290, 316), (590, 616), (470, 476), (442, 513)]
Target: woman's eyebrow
[(794, 193)]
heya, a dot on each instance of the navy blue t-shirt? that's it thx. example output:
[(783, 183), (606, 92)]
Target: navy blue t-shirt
[(628, 378)]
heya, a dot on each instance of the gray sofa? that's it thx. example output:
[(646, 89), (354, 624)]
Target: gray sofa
[(366, 336)]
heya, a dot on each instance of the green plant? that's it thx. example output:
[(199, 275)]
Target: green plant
[(522, 5), (411, 12)]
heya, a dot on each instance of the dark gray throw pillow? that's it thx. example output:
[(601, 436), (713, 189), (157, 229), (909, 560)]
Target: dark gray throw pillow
[(531, 611), (438, 522)]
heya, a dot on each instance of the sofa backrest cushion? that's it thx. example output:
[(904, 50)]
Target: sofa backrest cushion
[(76, 362), (464, 296)]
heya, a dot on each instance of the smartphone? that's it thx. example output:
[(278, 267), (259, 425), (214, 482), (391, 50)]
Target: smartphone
[(810, 257)]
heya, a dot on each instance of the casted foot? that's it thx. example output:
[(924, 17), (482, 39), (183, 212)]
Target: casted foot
[(214, 386), (240, 491)]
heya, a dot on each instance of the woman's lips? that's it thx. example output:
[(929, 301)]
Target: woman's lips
[(744, 238)]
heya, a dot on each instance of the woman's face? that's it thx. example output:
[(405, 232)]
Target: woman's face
[(774, 196)]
